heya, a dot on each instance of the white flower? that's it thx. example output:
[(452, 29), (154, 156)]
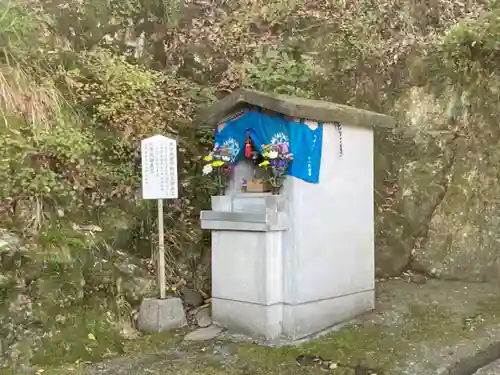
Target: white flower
[(225, 158), (207, 169), (273, 154)]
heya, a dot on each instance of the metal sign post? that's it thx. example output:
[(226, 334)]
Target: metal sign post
[(159, 181)]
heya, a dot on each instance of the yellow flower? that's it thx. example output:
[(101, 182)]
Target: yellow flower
[(265, 163), (218, 163), (208, 158), (265, 154)]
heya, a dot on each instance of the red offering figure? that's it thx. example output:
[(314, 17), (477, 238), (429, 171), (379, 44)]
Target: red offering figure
[(248, 147)]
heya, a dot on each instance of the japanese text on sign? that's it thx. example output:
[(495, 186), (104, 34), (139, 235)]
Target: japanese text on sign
[(159, 168)]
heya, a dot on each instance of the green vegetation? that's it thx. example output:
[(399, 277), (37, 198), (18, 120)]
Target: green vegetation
[(79, 89)]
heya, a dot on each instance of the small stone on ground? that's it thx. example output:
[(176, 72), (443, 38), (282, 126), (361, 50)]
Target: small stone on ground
[(203, 334), (192, 298), (414, 278), (203, 318)]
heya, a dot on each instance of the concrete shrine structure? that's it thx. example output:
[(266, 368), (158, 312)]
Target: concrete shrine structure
[(291, 265)]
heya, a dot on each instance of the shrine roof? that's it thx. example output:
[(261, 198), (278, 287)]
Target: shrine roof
[(316, 110)]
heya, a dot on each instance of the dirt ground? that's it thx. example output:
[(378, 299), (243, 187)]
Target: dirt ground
[(416, 330)]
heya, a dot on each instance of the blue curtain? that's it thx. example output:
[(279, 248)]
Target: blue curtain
[(306, 147), (265, 129), (305, 143), (232, 136)]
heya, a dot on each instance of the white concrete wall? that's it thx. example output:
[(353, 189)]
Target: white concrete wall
[(331, 247), (247, 266)]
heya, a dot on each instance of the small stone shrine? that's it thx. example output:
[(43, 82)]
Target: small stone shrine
[(293, 252)]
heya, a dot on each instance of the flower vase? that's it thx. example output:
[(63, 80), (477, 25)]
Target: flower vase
[(222, 190), (275, 190)]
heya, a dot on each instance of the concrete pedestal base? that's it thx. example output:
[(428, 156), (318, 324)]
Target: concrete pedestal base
[(160, 315), (289, 322)]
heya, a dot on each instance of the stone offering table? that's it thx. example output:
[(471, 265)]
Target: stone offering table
[(291, 265)]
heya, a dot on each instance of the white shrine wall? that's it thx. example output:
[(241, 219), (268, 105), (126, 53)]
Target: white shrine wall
[(328, 255)]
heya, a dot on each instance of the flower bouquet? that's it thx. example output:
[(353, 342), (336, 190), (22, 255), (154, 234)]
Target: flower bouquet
[(277, 158), (219, 162)]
